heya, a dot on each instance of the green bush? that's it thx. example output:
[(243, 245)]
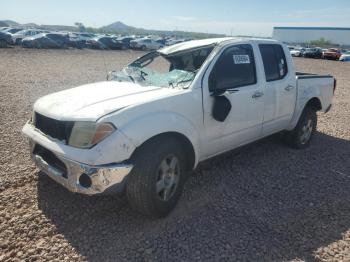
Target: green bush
[(320, 42)]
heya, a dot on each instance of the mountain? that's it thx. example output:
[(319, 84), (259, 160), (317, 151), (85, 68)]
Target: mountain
[(121, 28), (10, 23), (118, 27), (115, 28)]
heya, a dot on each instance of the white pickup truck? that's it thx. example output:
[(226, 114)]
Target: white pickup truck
[(141, 131)]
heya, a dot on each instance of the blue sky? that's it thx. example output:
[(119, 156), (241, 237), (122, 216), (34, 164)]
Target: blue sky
[(249, 17)]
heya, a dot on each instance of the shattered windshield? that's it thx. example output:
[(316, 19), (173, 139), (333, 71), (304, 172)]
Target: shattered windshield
[(157, 69)]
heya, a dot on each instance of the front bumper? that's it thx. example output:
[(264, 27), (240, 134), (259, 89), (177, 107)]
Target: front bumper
[(82, 178)]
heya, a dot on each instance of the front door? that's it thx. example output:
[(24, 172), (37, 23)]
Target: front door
[(233, 77)]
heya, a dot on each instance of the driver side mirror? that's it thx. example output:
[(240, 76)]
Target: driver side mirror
[(222, 105)]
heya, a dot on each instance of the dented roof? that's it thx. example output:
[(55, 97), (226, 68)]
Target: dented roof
[(191, 44), (204, 42)]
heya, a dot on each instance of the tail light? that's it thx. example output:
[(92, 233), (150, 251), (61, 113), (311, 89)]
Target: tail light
[(334, 85)]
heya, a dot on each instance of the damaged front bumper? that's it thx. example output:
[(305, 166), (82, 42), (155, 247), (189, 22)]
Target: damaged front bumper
[(78, 177)]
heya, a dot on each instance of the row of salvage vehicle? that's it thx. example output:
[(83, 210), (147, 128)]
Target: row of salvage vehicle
[(37, 38), (317, 52)]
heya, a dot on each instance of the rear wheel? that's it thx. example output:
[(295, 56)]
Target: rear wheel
[(301, 135), (157, 179)]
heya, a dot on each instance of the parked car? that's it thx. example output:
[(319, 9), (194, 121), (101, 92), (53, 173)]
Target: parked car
[(3, 28), (79, 40), (11, 30), (313, 53), (18, 36), (174, 41), (82, 36), (332, 53), (145, 44), (345, 57), (161, 41), (105, 42), (5, 39), (154, 121), (295, 52), (46, 40), (126, 40)]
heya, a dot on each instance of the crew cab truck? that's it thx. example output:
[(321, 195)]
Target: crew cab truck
[(142, 131)]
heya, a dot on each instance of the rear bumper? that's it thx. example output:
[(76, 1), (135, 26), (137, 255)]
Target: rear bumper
[(81, 178)]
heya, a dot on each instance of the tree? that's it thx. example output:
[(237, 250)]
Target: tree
[(322, 42), (81, 27)]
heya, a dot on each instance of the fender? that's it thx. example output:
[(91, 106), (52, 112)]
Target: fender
[(304, 95), (147, 126)]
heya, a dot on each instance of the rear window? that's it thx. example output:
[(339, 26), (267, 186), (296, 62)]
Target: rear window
[(275, 63)]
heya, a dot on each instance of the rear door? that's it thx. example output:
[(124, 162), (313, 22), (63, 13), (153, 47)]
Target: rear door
[(234, 71), (280, 89)]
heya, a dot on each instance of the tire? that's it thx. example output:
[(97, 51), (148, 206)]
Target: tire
[(151, 162), (3, 44), (38, 45), (301, 135)]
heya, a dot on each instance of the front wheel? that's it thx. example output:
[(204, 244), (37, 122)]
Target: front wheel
[(157, 179), (301, 135)]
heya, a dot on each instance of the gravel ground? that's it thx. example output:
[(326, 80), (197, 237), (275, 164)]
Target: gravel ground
[(264, 202)]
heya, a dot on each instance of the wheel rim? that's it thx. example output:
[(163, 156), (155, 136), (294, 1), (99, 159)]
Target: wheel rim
[(306, 132), (168, 177)]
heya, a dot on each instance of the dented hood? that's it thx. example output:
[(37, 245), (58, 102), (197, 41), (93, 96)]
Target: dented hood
[(92, 101)]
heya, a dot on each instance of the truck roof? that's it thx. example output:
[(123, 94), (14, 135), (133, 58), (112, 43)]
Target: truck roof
[(206, 42)]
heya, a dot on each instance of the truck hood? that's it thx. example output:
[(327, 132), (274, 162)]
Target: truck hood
[(92, 101)]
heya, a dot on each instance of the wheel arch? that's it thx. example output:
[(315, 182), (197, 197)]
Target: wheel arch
[(182, 139), (313, 102)]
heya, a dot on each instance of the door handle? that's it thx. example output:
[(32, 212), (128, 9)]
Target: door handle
[(289, 87), (231, 91), (257, 94)]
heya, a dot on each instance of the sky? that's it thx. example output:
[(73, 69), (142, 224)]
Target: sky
[(230, 17)]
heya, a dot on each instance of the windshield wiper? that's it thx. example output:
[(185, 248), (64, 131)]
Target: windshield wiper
[(143, 74), (132, 79)]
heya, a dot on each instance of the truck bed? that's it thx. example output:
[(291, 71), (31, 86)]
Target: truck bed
[(302, 75), (321, 86)]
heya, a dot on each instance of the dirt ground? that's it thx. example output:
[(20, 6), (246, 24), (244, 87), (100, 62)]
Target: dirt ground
[(264, 202)]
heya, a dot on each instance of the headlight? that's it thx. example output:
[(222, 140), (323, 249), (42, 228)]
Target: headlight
[(88, 134)]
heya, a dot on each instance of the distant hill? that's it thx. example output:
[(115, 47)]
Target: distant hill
[(118, 27), (114, 28), (3, 24), (10, 23), (121, 28)]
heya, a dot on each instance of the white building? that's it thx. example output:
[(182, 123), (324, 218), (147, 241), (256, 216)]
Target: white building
[(336, 35)]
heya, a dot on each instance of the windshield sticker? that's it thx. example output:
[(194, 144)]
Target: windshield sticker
[(241, 59)]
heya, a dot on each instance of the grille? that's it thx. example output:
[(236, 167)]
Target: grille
[(60, 130), (50, 158)]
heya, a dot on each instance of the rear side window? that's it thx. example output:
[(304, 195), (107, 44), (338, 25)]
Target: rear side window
[(275, 63), (234, 68)]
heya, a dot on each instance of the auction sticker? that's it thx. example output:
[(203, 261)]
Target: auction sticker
[(241, 59)]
